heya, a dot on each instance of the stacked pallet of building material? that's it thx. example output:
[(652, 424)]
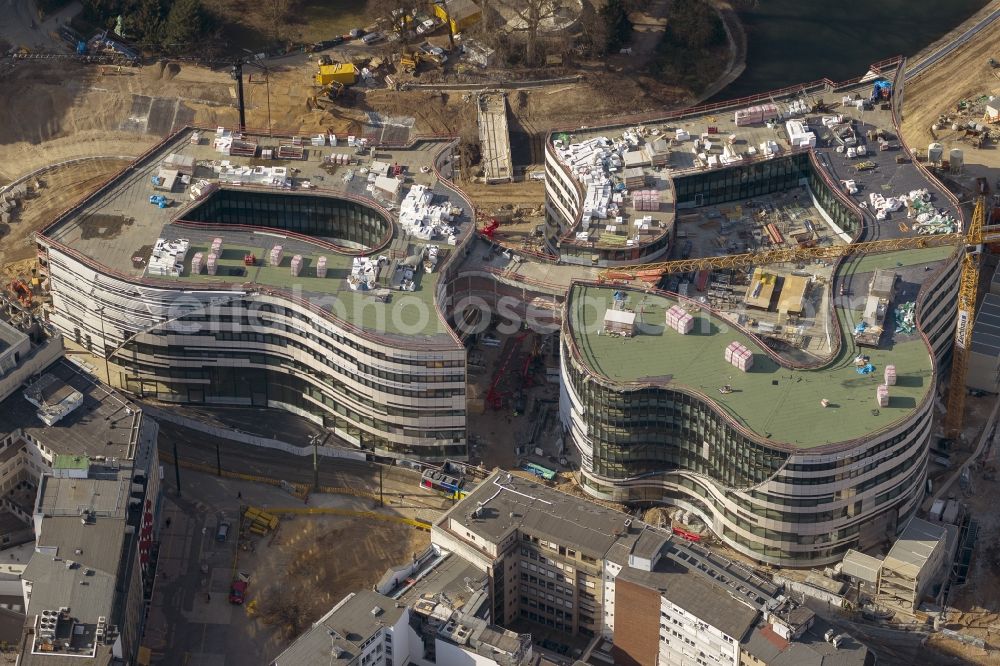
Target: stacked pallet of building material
[(646, 200), (321, 267), (755, 115), (680, 320), (739, 356), (882, 395), (213, 264), (196, 262), (296, 265), (274, 258), (890, 375)]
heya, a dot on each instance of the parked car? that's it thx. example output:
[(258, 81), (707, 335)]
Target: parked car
[(222, 532), (355, 33), (238, 589), (372, 37)]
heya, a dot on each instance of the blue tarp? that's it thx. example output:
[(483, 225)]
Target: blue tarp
[(866, 369), (881, 90)]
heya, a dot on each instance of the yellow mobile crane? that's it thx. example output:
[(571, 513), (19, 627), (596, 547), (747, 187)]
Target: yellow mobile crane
[(977, 234)]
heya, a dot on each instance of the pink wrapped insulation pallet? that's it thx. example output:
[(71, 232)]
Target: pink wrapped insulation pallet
[(213, 264), (673, 314), (679, 320), (274, 259), (296, 265), (217, 247), (882, 395), (739, 356), (321, 267), (685, 324), (196, 262), (890, 375)]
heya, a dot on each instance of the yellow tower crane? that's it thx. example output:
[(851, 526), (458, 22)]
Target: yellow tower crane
[(968, 288), (974, 238)]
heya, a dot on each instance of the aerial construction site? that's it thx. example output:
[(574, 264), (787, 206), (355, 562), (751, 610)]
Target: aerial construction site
[(435, 367)]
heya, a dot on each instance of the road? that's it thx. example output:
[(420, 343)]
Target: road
[(399, 485), (191, 621), (935, 57), (19, 25)]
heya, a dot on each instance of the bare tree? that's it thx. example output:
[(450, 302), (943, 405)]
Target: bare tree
[(277, 13), (531, 13), (594, 31)]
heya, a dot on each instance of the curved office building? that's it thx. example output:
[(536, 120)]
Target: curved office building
[(774, 472), (313, 303), (790, 462)]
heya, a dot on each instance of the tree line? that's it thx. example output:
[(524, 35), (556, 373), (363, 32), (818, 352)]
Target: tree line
[(160, 25)]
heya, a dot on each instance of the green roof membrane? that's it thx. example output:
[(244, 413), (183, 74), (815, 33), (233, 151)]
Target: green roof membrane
[(916, 257), (776, 402), (409, 313)]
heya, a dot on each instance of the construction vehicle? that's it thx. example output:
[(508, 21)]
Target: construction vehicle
[(409, 61), (238, 589), (973, 240), (259, 522), (21, 291), (490, 229), (340, 72), (329, 94)]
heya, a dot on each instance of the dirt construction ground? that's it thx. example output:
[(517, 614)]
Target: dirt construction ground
[(299, 579), (58, 113), (296, 574), (965, 75)]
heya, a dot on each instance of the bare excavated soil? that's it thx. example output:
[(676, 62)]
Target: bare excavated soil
[(964, 76), (51, 192), (300, 578)]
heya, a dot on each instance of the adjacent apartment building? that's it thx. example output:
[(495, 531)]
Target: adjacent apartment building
[(80, 466), (558, 562)]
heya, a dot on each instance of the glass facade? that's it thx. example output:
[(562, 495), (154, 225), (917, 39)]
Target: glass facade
[(375, 397), (651, 430), (745, 181), (843, 215), (322, 217)]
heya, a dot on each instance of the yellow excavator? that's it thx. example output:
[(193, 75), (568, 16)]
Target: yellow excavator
[(329, 94), (409, 61)]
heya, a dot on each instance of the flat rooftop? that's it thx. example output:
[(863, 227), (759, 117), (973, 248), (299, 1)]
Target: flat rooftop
[(512, 502), (117, 225), (102, 426), (332, 292), (887, 177), (338, 636), (697, 595), (104, 497), (778, 403), (451, 577), (9, 336)]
